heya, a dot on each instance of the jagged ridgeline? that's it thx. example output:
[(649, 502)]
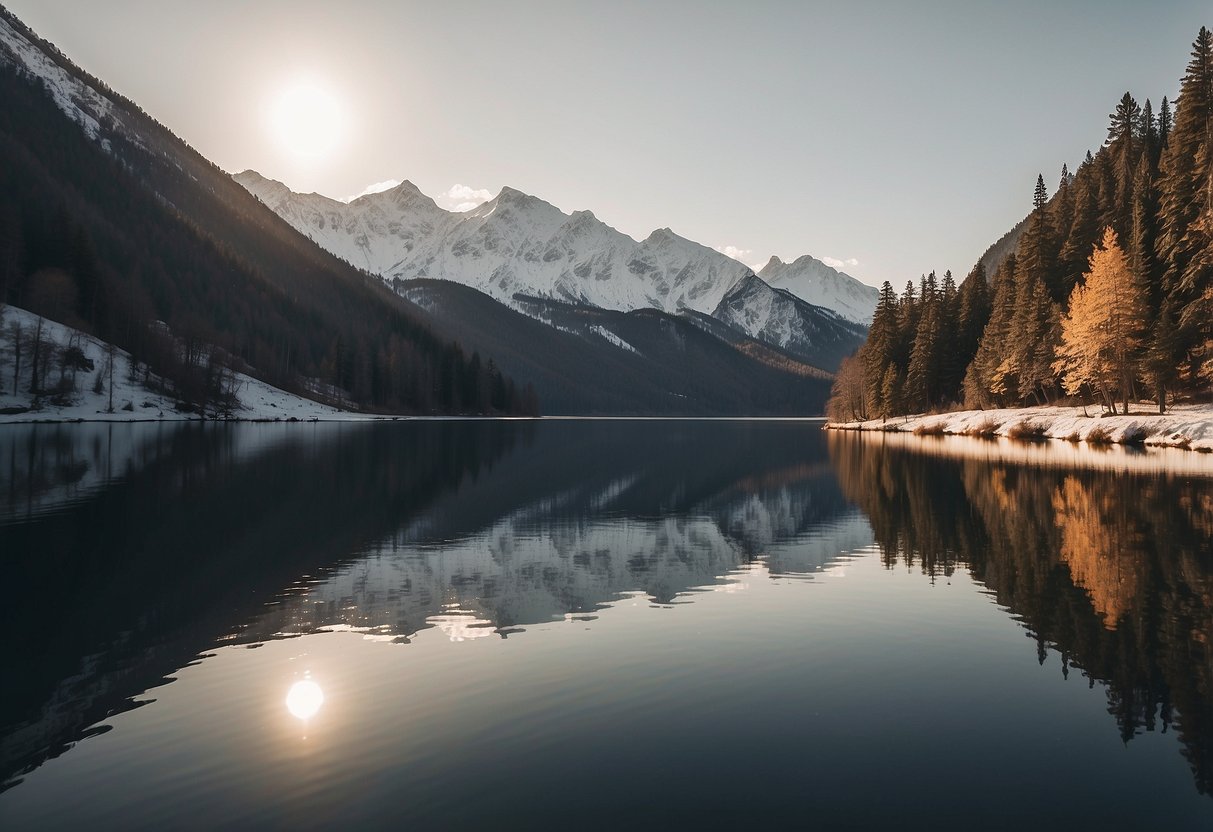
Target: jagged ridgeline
[(1102, 294), (110, 223)]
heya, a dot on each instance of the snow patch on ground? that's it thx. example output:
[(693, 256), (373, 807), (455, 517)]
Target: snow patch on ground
[(1183, 426), (614, 339), (258, 400)]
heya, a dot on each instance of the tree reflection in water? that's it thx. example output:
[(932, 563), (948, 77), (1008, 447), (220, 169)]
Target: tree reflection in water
[(1112, 570)]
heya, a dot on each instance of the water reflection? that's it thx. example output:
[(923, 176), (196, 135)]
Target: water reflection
[(1113, 570), (140, 550), (187, 536)]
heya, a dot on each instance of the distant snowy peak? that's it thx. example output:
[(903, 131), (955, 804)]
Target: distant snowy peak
[(812, 280), (515, 244), (517, 248), (776, 316)]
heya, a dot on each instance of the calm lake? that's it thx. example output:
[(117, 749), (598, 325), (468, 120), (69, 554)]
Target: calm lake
[(599, 624)]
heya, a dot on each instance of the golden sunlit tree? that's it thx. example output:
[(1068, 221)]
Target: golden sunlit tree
[(1101, 335)]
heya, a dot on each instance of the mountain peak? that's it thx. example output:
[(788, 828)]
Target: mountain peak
[(269, 191), (773, 263), (513, 196), (660, 235), (749, 282), (252, 177), (404, 189), (809, 260)]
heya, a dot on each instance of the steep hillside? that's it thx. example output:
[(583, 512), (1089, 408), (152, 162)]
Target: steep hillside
[(111, 223)]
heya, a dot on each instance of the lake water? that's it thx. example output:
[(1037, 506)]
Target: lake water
[(599, 624)]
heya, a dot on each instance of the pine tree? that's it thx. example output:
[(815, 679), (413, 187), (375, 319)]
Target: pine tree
[(891, 393), (1184, 197), (1143, 261), (922, 378), (1123, 148), (1147, 132), (1026, 366), (1083, 233), (879, 352), (981, 387), (1061, 211), (952, 359), (1101, 333), (1204, 349), (1036, 251), (1165, 123), (1163, 354), (974, 312)]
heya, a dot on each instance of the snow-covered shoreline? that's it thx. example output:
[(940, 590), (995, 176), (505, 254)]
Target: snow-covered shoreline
[(89, 399), (1183, 426)]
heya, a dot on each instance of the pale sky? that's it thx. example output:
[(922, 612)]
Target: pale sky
[(896, 137)]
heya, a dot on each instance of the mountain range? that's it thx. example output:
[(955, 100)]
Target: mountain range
[(517, 248), (169, 258)]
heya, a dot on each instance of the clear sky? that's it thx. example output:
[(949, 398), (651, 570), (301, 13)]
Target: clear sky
[(895, 136)]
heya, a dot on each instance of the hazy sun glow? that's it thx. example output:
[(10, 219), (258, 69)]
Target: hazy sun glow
[(307, 121), (304, 699)]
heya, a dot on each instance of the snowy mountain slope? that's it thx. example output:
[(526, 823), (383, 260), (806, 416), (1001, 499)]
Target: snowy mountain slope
[(813, 281), (80, 102), (780, 318), (372, 232), (513, 244), (517, 247)]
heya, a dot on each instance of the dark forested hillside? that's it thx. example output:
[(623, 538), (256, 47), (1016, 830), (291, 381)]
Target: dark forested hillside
[(590, 361), (135, 237), (1105, 298)]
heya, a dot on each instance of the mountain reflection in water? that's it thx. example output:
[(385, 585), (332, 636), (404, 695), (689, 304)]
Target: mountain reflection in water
[(155, 543), (142, 550)]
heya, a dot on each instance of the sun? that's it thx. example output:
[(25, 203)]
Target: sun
[(307, 121)]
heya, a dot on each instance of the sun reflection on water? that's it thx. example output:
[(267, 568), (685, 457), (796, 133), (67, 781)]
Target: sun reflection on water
[(304, 699)]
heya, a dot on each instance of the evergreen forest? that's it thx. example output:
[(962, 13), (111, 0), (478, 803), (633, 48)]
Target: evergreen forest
[(1105, 299)]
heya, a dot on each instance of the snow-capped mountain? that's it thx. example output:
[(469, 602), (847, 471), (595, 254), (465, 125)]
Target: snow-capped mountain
[(514, 244), (812, 280), (517, 244), (778, 317)]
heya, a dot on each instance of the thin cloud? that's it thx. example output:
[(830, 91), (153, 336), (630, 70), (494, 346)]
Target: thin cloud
[(374, 188), (837, 263), (460, 198), (744, 255)]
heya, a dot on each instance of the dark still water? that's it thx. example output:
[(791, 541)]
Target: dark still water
[(579, 624)]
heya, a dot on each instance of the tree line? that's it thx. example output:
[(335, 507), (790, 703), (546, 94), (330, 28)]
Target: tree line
[(1106, 298)]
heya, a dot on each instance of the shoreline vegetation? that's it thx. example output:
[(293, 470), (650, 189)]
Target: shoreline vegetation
[(1188, 427)]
